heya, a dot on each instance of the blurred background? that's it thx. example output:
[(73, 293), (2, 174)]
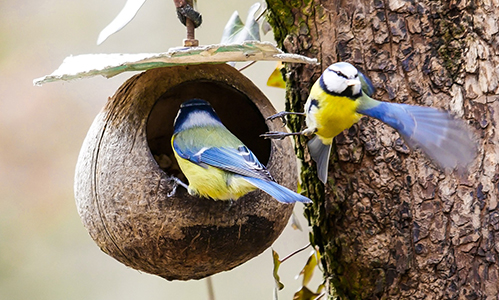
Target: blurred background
[(45, 252)]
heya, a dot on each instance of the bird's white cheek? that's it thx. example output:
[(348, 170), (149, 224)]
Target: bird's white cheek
[(336, 87), (356, 89), (310, 118)]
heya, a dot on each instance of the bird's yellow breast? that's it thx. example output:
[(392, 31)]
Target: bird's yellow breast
[(334, 114), (212, 182)]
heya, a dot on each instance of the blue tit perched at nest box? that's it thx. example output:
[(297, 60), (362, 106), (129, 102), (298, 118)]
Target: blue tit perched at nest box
[(342, 95), (216, 163)]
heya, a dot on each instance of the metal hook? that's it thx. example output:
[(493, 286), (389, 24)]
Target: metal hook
[(190, 18)]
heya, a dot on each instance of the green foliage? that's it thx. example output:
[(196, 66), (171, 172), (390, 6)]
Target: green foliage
[(277, 264), (275, 79), (452, 44), (280, 18), (308, 269), (236, 31), (304, 293), (451, 32)]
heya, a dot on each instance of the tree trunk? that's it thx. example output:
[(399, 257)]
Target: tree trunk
[(388, 223)]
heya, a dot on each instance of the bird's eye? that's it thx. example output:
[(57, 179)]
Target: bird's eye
[(340, 74)]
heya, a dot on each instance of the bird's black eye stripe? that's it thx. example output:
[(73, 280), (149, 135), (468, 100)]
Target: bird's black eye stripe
[(340, 74), (343, 75)]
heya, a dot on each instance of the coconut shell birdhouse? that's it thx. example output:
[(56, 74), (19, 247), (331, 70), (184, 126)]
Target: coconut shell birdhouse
[(122, 176), (123, 185)]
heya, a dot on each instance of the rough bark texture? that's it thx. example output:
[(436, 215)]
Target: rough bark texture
[(389, 224), (121, 191)]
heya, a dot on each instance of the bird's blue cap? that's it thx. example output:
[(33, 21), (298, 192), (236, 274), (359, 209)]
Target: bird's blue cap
[(195, 102), (205, 114)]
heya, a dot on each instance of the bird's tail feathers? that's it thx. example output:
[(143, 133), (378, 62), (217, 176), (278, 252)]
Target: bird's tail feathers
[(277, 191), (441, 137), (320, 153)]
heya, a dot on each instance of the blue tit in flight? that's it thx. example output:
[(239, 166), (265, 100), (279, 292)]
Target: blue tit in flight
[(216, 163), (341, 96)]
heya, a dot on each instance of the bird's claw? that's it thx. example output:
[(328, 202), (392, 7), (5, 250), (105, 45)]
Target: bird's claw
[(275, 135), (281, 115), (173, 191), (175, 183)]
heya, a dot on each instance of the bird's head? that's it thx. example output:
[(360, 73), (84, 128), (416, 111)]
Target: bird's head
[(195, 113), (341, 79)]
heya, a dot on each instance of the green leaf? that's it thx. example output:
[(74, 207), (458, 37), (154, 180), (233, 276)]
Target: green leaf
[(320, 288), (236, 31), (308, 269), (275, 79), (305, 294), (124, 17), (277, 264), (231, 28)]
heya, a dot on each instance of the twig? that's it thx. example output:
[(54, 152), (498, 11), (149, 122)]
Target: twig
[(211, 292), (247, 66), (294, 253), (261, 15)]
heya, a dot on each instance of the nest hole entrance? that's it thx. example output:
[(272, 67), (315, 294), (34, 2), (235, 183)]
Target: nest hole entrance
[(236, 111)]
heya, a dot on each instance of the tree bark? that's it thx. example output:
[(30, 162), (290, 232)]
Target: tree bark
[(389, 224)]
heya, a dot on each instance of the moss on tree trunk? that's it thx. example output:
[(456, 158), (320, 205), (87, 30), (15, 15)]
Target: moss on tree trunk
[(388, 223)]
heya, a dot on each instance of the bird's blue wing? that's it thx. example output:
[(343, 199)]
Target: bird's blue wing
[(240, 161), (444, 139), (277, 191), (236, 160), (366, 84), (184, 152)]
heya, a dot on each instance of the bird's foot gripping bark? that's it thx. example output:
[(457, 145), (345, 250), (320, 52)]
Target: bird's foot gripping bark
[(283, 115), (278, 135)]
